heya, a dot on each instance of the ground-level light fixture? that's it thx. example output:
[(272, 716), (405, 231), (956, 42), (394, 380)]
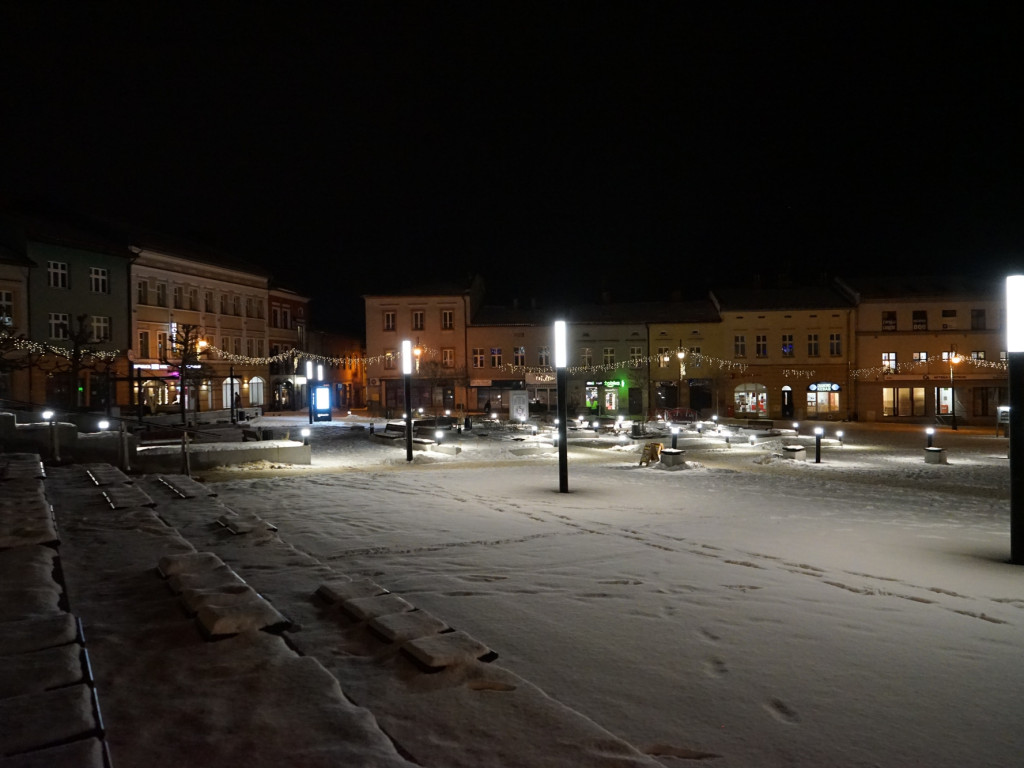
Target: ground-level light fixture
[(839, 434), (930, 432), (104, 424), (439, 436), (675, 436), (818, 432), (796, 427), (47, 415), (305, 436)]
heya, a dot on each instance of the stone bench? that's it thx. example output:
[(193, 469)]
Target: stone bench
[(672, 457), (794, 452)]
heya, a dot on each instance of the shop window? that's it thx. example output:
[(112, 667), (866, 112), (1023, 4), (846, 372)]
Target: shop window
[(903, 401)]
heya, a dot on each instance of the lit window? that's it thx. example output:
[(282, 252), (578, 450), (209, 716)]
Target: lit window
[(889, 360)]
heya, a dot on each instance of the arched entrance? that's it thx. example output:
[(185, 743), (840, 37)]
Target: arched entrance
[(787, 402)]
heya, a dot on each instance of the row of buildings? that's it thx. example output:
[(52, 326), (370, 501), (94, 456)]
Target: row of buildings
[(920, 349), (100, 318), (104, 318)]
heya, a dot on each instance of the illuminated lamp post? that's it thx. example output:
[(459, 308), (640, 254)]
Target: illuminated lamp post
[(953, 359), (682, 372), (309, 388), (818, 432), (930, 432), (1015, 376), (561, 359), (407, 385)]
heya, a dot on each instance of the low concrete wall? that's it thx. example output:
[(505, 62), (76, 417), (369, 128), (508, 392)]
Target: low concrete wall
[(167, 458)]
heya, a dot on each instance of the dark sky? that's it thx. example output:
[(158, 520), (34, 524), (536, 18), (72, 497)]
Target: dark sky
[(558, 149)]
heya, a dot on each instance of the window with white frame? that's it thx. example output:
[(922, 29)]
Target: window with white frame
[(519, 356), (161, 294), (787, 345), (978, 354), (544, 356), (417, 319), (448, 357), (663, 357), (478, 357), (99, 280), (889, 360), (495, 357), (178, 294), (447, 319), (6, 308), (695, 358), (142, 292), (389, 360), (586, 356), (608, 355), (389, 321), (920, 357), (812, 345), (57, 274), (739, 346), (835, 344), (636, 354), (162, 350), (100, 328), (761, 346), (59, 324), (142, 349)]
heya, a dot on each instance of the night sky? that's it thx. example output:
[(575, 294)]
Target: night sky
[(560, 150)]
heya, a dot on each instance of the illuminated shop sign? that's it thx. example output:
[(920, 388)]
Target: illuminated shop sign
[(823, 386)]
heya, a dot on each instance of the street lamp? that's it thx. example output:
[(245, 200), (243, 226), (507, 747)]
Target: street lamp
[(561, 359), (681, 354), (1015, 380), (818, 432), (407, 385), (930, 432), (953, 359)]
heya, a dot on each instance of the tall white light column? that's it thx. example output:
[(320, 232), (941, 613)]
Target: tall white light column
[(561, 360), (407, 390), (1015, 359)]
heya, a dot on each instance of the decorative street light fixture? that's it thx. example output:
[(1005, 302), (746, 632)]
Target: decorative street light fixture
[(954, 358), (561, 359), (407, 386), (1015, 379)]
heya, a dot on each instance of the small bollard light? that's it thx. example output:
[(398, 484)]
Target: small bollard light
[(818, 432), (47, 415), (305, 436), (439, 436), (103, 425), (753, 440), (930, 432), (494, 416), (796, 427), (675, 436), (839, 434)]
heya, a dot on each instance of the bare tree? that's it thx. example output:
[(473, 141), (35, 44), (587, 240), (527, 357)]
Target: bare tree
[(185, 355)]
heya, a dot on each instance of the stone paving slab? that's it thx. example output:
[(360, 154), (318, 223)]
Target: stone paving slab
[(41, 719), (39, 671), (35, 634), (86, 753)]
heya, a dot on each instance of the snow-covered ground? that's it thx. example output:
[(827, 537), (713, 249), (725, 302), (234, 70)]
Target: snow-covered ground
[(749, 610)]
